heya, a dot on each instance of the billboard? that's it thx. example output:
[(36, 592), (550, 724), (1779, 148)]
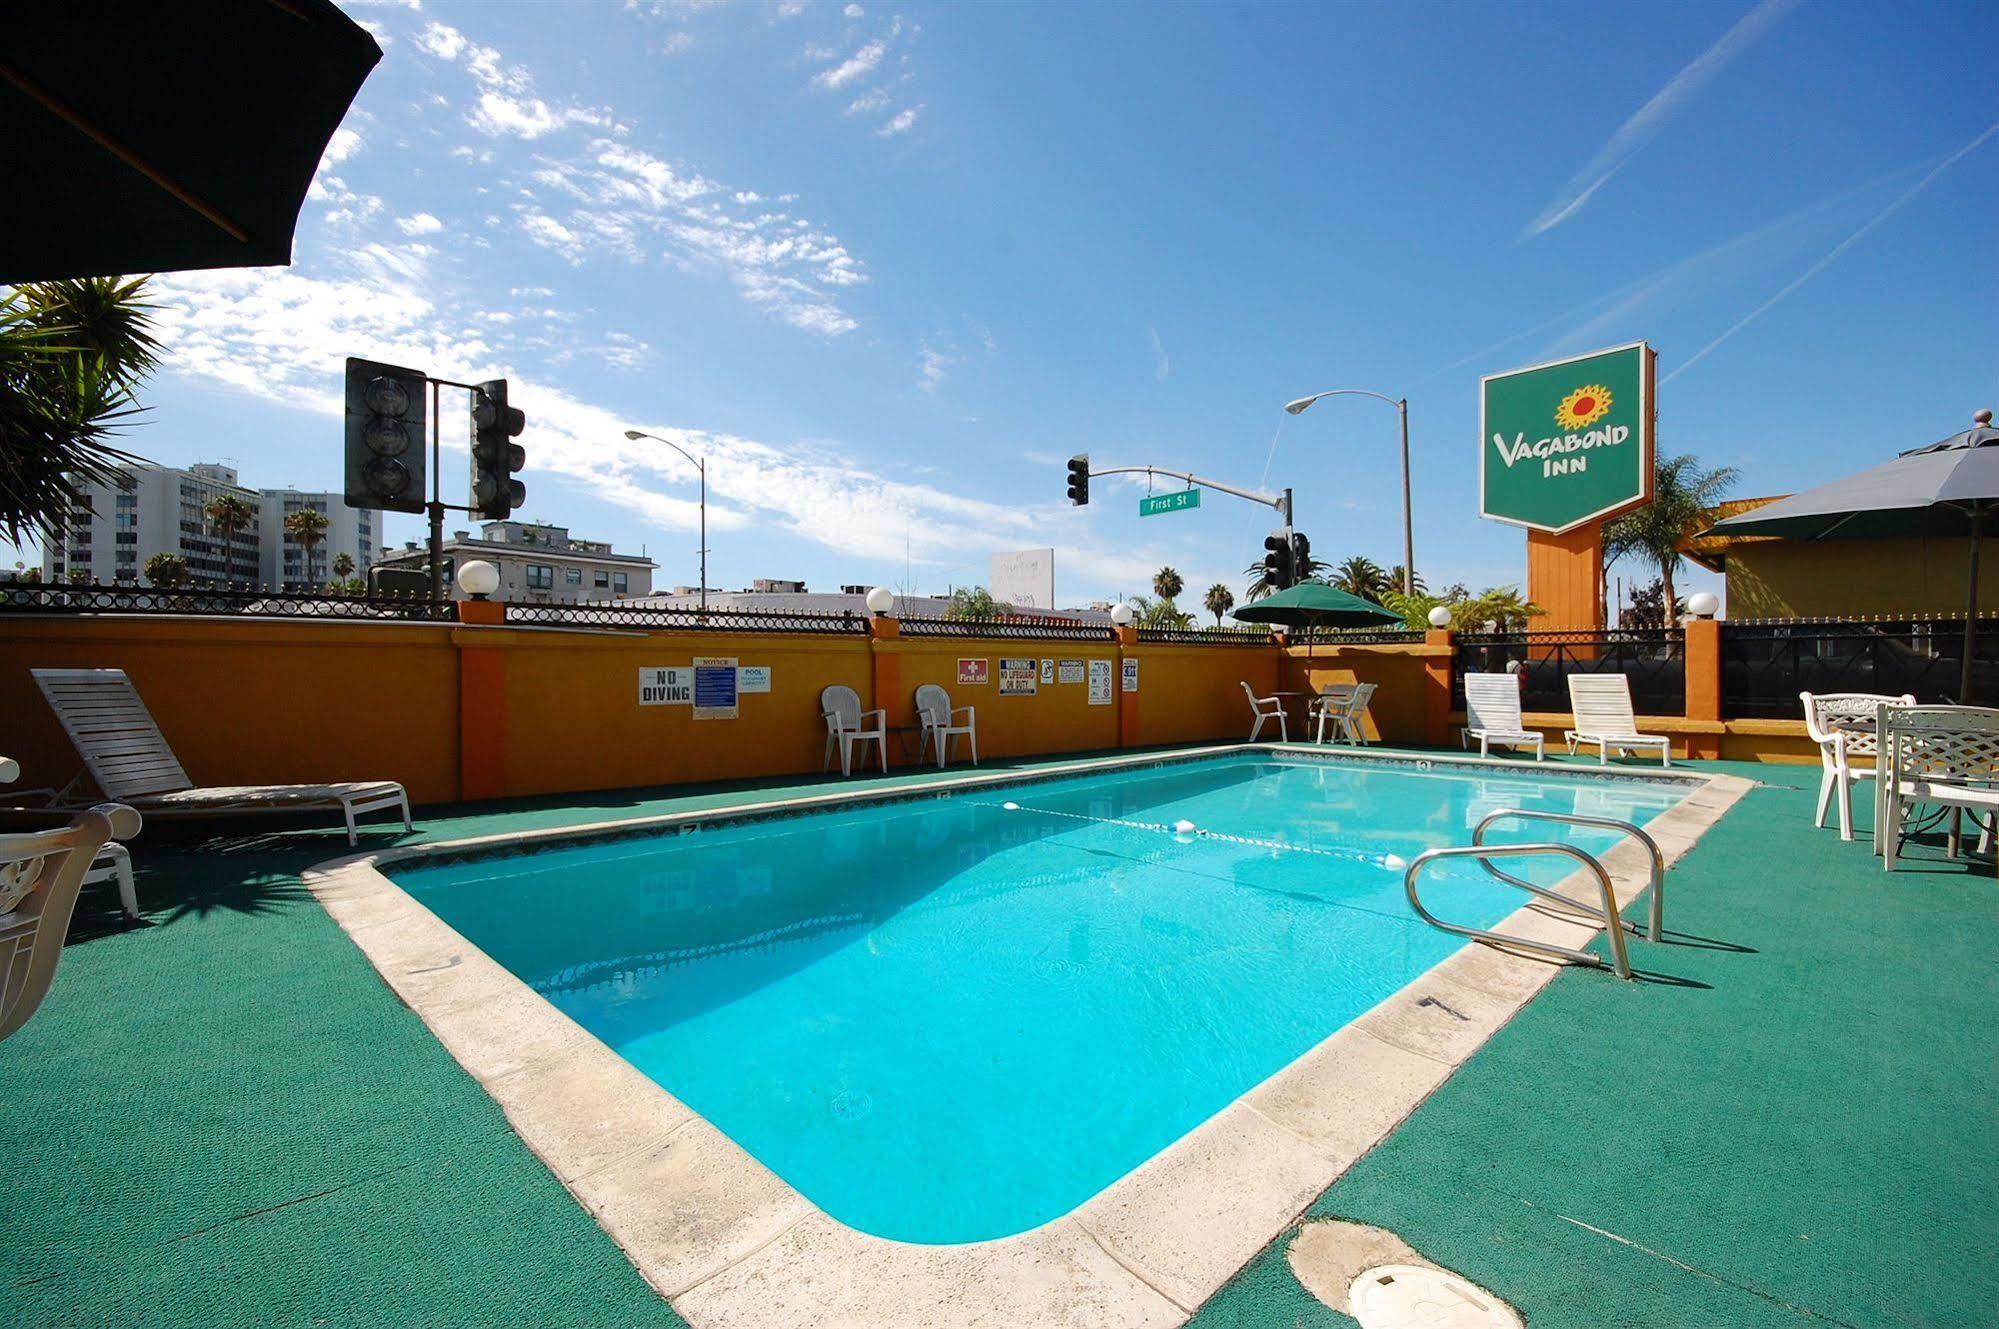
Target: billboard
[(1567, 443), (1024, 579)]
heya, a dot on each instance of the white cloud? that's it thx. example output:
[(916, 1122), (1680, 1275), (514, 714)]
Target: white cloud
[(676, 43), (420, 224), (853, 11), (549, 233), (1161, 365), (344, 144), (441, 40), (498, 113), (874, 99), (934, 366), (860, 63), (1645, 123), (900, 123)]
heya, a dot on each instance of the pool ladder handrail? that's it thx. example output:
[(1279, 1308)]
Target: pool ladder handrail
[(1620, 961), (1655, 886)]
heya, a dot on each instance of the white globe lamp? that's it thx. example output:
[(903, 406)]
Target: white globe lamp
[(478, 579), (880, 600), (1440, 617), (1703, 604), (1121, 615)]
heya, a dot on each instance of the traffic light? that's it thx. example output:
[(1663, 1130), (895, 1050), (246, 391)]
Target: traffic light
[(495, 492), (1079, 479), (1277, 566), (385, 421), (1301, 557)]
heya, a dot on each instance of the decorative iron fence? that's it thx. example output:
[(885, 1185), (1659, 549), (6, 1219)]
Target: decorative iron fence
[(1205, 636), (1008, 629), (231, 601), (1356, 637), (1766, 663), (624, 614), (1653, 659)]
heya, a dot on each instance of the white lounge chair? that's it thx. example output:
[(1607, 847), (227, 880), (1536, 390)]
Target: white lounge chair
[(131, 762), (40, 875), (1344, 706), (113, 862), (1842, 724), (1946, 756), (1601, 704), (940, 723), (1492, 715), (841, 707), (1266, 708)]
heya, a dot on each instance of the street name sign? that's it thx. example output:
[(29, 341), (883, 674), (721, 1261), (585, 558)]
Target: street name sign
[(1154, 504), (1567, 443)]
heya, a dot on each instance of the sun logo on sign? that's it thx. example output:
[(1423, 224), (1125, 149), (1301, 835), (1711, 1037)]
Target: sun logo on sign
[(1583, 407)]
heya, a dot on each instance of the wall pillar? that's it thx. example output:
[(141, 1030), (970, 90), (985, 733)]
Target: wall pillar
[(1703, 669), (1126, 702), (1437, 688), (482, 704), (887, 674)]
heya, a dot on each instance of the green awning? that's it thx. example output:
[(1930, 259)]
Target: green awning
[(1313, 604)]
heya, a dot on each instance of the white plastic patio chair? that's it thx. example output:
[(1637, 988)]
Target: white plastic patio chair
[(1492, 715), (1601, 704), (1947, 756), (1842, 724), (113, 862), (940, 723), (841, 707), (40, 875), (129, 758), (1266, 708), (1344, 706)]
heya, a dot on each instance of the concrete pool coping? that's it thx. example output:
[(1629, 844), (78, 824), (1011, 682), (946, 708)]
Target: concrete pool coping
[(729, 1243)]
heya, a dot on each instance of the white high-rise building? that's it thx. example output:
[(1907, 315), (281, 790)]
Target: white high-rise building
[(153, 509)]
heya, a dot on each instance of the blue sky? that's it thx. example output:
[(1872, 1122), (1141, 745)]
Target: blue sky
[(888, 265)]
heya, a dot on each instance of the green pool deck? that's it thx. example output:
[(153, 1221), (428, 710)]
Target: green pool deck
[(223, 1117)]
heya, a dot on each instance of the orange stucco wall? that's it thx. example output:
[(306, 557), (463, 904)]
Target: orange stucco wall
[(248, 702), (1057, 718), (1193, 694), (1399, 710)]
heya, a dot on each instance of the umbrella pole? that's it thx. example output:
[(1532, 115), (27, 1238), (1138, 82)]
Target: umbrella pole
[(1970, 613)]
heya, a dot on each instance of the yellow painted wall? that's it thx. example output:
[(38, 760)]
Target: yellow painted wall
[(1057, 718), (251, 702), (1797, 578), (574, 722), (1193, 694), (1396, 711)]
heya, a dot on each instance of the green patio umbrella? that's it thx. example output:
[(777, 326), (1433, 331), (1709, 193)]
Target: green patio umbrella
[(1314, 604), (166, 136)]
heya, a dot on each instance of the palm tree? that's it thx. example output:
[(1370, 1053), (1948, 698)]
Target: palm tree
[(1683, 496), (1362, 576), (228, 515), (1167, 584), (306, 528), (1218, 601), (164, 569), (1415, 582), (343, 568), (72, 353), (1260, 584), (1160, 613)]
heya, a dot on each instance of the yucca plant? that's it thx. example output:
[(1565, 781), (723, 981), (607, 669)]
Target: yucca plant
[(72, 354)]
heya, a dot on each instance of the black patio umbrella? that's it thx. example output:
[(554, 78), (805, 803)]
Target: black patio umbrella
[(1948, 489), (152, 137)]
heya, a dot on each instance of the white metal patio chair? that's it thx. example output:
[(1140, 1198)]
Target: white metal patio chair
[(1263, 709), (940, 723), (1601, 705), (40, 875), (1344, 706), (1842, 724), (1946, 756), (113, 862), (131, 761), (841, 707), (1492, 715)]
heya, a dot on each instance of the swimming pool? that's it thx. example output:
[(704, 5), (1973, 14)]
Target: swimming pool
[(947, 1019)]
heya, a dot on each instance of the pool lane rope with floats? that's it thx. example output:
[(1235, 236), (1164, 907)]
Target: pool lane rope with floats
[(1186, 832)]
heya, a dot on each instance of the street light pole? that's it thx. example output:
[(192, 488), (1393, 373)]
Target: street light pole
[(701, 465), (1401, 405)]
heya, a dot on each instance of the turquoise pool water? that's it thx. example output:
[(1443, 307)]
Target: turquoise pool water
[(948, 1019)]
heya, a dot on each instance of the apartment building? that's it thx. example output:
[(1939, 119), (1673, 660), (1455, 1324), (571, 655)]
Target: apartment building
[(538, 563), (152, 509)]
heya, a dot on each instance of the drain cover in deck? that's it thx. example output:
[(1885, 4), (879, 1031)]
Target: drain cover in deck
[(1408, 1296)]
